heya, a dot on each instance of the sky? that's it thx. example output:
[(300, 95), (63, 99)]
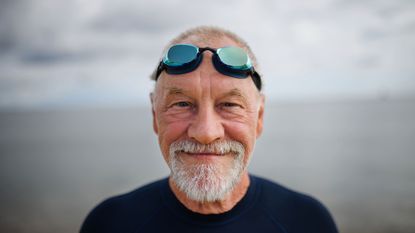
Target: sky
[(62, 54)]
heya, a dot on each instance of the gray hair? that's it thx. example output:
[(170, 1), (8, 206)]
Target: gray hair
[(207, 33)]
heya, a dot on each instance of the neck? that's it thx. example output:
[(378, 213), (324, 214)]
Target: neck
[(215, 207)]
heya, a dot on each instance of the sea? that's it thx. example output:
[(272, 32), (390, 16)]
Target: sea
[(355, 156)]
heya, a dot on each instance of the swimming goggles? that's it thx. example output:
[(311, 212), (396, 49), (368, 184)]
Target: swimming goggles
[(230, 61)]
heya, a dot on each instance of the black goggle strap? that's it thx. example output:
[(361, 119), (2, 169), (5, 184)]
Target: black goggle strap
[(256, 78), (160, 68)]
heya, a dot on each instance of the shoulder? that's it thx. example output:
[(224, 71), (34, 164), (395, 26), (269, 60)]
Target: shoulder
[(296, 211), (120, 213)]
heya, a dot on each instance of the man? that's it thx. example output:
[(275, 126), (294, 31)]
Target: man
[(208, 112)]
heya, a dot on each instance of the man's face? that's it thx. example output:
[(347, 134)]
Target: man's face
[(205, 107)]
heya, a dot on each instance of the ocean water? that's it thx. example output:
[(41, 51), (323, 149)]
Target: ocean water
[(357, 157)]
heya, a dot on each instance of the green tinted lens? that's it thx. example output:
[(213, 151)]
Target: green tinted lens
[(234, 57), (180, 54)]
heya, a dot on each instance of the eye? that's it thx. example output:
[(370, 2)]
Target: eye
[(230, 105), (182, 104)]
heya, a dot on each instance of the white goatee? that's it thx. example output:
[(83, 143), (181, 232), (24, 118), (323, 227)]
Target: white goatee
[(206, 182)]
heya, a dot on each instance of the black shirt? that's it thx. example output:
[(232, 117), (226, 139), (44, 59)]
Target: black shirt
[(266, 207)]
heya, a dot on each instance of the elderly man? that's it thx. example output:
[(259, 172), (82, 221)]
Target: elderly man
[(208, 112)]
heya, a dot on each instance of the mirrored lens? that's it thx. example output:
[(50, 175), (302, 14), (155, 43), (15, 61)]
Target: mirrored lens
[(235, 57), (180, 54)]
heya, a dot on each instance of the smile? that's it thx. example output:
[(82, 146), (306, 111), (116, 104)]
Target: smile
[(202, 153)]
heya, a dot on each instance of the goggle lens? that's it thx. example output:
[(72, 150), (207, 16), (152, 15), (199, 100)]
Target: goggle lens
[(180, 54), (234, 57)]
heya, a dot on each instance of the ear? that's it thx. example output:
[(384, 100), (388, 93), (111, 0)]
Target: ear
[(155, 126), (260, 121)]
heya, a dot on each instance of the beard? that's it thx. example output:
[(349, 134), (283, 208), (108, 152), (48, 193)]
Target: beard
[(210, 181)]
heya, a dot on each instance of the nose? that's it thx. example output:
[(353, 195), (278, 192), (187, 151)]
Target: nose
[(206, 127)]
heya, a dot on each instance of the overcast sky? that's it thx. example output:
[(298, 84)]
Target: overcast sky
[(59, 53)]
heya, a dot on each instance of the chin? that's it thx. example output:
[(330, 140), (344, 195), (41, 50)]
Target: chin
[(205, 182), (206, 178)]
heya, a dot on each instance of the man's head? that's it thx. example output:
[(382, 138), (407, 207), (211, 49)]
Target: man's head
[(207, 122)]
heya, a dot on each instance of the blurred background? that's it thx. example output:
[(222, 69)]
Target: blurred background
[(75, 120)]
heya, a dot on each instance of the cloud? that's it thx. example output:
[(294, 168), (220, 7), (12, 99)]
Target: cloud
[(57, 51)]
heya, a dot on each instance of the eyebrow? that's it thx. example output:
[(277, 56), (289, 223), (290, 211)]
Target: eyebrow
[(237, 93), (175, 91)]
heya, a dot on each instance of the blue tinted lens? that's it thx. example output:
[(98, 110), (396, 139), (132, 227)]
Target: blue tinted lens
[(180, 54), (234, 57)]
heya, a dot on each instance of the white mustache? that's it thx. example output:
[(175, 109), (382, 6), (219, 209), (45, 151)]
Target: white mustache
[(219, 147)]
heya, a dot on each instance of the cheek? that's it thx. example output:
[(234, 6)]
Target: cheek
[(170, 132), (243, 132)]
